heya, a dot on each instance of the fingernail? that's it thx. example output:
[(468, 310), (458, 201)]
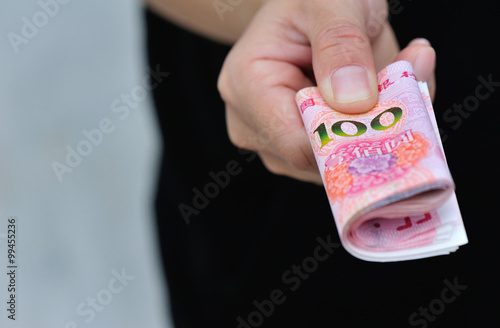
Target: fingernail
[(350, 84), (424, 62), (421, 41)]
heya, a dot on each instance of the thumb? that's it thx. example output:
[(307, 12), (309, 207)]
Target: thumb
[(342, 57)]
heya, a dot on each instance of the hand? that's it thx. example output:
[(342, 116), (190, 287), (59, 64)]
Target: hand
[(292, 44)]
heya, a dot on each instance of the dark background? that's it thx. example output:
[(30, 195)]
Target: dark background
[(236, 250)]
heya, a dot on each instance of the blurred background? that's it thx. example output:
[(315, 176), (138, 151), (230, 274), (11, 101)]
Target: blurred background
[(87, 248)]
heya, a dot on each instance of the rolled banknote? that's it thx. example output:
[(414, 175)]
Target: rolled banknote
[(385, 172)]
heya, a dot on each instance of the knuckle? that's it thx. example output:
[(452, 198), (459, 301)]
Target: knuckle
[(376, 22), (227, 77), (273, 166), (299, 161), (242, 139), (238, 139), (342, 37), (222, 85), (295, 157)]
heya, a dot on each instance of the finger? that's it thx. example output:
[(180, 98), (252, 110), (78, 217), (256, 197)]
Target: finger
[(241, 134), (342, 57), (385, 47), (275, 157), (423, 59), (276, 165), (272, 112), (277, 132)]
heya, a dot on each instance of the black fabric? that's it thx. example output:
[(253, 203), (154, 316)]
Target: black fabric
[(240, 247)]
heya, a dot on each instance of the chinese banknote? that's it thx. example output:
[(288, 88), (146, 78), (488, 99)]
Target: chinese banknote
[(385, 172)]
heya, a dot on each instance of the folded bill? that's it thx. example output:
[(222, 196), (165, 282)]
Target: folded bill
[(385, 172)]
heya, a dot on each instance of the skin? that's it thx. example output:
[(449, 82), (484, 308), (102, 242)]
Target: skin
[(200, 16), (282, 46)]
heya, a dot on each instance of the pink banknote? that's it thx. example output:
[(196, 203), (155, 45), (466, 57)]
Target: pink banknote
[(385, 172)]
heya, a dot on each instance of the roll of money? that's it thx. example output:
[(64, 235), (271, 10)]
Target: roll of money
[(385, 172)]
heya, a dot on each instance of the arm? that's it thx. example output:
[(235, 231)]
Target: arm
[(222, 21), (338, 45)]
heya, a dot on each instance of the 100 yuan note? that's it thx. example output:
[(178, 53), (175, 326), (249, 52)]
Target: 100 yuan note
[(385, 172)]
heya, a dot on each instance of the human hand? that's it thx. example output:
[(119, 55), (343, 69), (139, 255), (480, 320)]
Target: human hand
[(291, 44)]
